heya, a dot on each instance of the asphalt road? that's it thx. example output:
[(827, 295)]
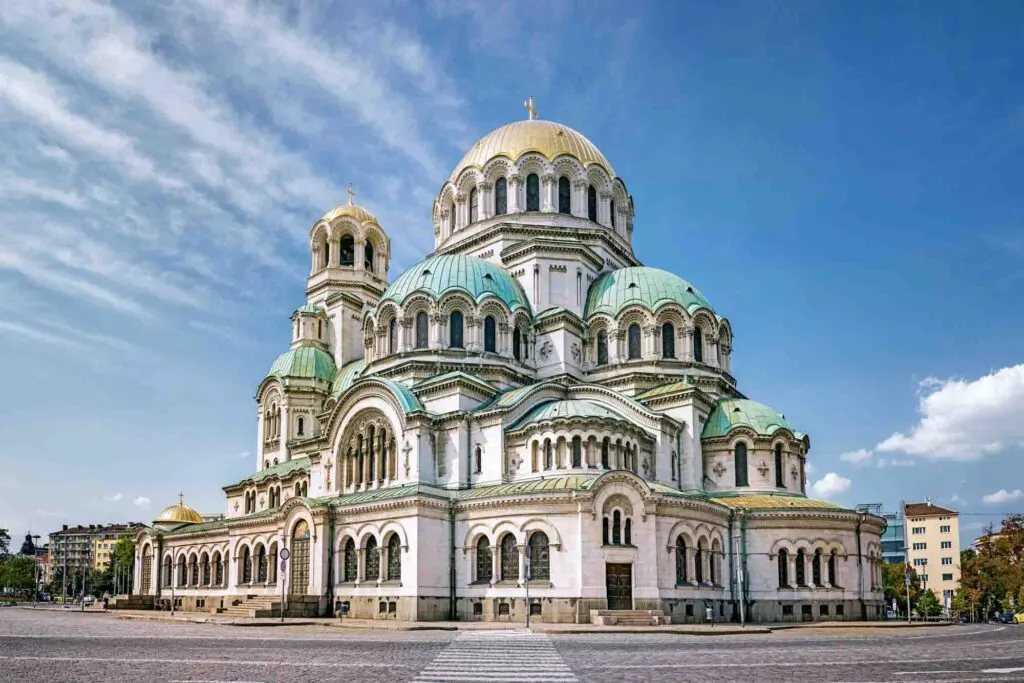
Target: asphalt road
[(47, 645)]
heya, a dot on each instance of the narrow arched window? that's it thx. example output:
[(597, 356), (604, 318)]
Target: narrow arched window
[(490, 342), (319, 329), (368, 259), (347, 254), (592, 203), (422, 330), (577, 451), (350, 562), (740, 464), (604, 453), (509, 558), (392, 336), (780, 475), (540, 557), (301, 427), (832, 570), (473, 205), (246, 561), (634, 341), (327, 254), (816, 568), (547, 454), (564, 196), (372, 560), (783, 569), (629, 531), (668, 341), (602, 348), (616, 528), (698, 563), (532, 192), (261, 565), (478, 461), (394, 558), (451, 218), (698, 345), (455, 330), (713, 566), (681, 576), (612, 210), (517, 339), (500, 197), (801, 568), (484, 567)]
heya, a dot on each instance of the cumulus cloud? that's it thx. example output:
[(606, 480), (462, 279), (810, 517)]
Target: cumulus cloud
[(965, 419), (830, 485), (1003, 496), (858, 457), (141, 501), (116, 498)]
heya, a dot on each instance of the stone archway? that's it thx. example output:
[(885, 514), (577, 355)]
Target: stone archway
[(366, 457)]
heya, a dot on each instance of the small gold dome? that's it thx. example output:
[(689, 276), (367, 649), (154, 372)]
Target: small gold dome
[(350, 209), (537, 135), (179, 514)]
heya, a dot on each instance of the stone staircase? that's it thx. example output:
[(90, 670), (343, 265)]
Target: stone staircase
[(628, 617), (251, 608)]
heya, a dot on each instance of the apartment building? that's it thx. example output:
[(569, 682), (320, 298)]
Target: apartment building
[(86, 547), (933, 546)]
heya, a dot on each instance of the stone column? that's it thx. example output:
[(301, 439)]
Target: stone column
[(522, 564), (381, 564), (686, 339), (547, 191), (495, 557), (486, 200), (579, 199), (712, 358), (514, 183), (403, 333), (604, 200)]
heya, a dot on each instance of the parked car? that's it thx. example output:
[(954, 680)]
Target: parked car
[(88, 600), (1018, 618)]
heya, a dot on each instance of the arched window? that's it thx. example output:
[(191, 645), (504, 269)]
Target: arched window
[(301, 427), (698, 563), (478, 461), (246, 561), (564, 196), (698, 345), (532, 192), (500, 196), (347, 254), (602, 348), (298, 489), (668, 341), (832, 569), (681, 577), (451, 218), (611, 209), (484, 568), (547, 454), (783, 569), (634, 341), (193, 571), (299, 560), (540, 558), (261, 565), (713, 566), (780, 475), (604, 453), (350, 562), (509, 558), (394, 558), (801, 568), (577, 451), (473, 205), (305, 489), (604, 531), (616, 528), (422, 330), (490, 343), (592, 203), (327, 254), (372, 560), (628, 536), (816, 568), (320, 329), (182, 572), (455, 330), (740, 464), (218, 570), (167, 580), (392, 336), (517, 339), (368, 259)]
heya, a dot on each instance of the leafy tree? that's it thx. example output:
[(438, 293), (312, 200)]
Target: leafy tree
[(895, 587), (929, 606), (5, 542), (18, 573), (994, 573)]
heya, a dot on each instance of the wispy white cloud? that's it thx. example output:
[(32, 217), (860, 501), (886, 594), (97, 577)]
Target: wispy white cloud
[(1003, 496), (831, 485), (115, 498), (141, 501), (858, 457)]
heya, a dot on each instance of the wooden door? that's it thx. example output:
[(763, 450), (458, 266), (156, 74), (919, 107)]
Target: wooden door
[(619, 582)]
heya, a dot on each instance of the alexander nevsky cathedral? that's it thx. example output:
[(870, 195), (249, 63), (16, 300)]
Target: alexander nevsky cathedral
[(529, 411)]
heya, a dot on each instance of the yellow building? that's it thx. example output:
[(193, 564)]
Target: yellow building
[(102, 552), (933, 547)]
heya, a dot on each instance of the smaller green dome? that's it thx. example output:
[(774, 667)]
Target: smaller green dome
[(474, 276), (307, 362), (731, 413), (347, 374), (649, 287), (566, 410)]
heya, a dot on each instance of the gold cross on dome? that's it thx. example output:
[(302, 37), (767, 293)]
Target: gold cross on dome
[(351, 196), (528, 106), (181, 498)]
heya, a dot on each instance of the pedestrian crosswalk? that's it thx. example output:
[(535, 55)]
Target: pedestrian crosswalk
[(498, 657)]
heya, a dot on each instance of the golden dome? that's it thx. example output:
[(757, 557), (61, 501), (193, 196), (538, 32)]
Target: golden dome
[(350, 209), (544, 137), (179, 514)]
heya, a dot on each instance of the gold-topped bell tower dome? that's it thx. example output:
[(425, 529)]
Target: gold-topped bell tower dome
[(179, 513)]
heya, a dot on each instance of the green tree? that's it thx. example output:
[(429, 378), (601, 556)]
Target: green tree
[(5, 543), (895, 587), (929, 605), (18, 573)]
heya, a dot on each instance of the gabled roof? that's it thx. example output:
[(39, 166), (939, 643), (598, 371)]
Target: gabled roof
[(926, 509)]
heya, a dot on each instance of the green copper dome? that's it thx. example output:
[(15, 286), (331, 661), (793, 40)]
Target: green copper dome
[(565, 410), (347, 374), (731, 413), (307, 362), (476, 277), (649, 287)]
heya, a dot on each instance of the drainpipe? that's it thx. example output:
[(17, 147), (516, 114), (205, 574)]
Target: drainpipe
[(451, 562), (860, 569), (732, 567), (744, 574), (329, 589), (679, 464), (469, 451)]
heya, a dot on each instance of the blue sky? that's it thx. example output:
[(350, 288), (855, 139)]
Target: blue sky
[(842, 180)]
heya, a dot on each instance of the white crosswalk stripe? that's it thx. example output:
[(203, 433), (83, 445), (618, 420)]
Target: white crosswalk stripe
[(498, 657)]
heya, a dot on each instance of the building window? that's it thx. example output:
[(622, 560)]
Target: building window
[(604, 453), (917, 530), (946, 545), (422, 330), (509, 558), (394, 558), (602, 348), (347, 255), (816, 568), (484, 568), (698, 563), (473, 205), (920, 546), (947, 560), (517, 339), (801, 568), (500, 197), (246, 561), (577, 451), (780, 474), (698, 345), (451, 217), (489, 334), (920, 562), (368, 257), (477, 460), (455, 330), (944, 529), (261, 565), (547, 454), (611, 211), (372, 560), (832, 566), (616, 528), (947, 577), (740, 464), (532, 192), (634, 341), (540, 565), (564, 196), (592, 203), (350, 562), (680, 560), (301, 427), (392, 336), (668, 341)]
